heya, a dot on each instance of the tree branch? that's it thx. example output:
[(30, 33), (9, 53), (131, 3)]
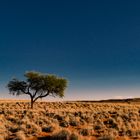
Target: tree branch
[(28, 93), (41, 96), (35, 93)]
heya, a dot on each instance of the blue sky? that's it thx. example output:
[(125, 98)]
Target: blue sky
[(94, 44)]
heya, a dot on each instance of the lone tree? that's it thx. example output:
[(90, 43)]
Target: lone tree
[(38, 85)]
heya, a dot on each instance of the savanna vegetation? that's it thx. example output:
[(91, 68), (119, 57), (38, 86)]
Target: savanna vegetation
[(69, 121)]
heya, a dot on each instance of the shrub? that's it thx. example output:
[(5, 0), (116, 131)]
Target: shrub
[(97, 127), (62, 135), (73, 123), (64, 124), (85, 132), (48, 129), (14, 129), (74, 136), (59, 118)]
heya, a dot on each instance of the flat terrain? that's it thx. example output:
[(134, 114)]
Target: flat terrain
[(114, 120)]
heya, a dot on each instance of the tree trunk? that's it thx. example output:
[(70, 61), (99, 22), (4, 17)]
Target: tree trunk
[(32, 102)]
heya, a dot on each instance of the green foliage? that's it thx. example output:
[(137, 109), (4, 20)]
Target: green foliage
[(17, 87), (46, 83)]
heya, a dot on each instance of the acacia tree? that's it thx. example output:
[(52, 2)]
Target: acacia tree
[(38, 85)]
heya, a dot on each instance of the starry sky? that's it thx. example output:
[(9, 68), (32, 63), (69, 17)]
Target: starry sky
[(94, 44)]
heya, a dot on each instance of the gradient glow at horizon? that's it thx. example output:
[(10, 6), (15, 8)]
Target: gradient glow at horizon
[(95, 45)]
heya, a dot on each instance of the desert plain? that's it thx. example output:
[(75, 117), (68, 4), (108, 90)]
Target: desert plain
[(70, 120)]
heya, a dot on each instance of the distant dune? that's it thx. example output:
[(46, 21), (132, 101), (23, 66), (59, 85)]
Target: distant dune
[(133, 100)]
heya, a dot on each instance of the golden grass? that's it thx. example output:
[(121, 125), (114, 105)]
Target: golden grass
[(69, 120)]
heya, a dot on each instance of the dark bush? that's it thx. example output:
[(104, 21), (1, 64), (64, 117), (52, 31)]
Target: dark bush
[(48, 129)]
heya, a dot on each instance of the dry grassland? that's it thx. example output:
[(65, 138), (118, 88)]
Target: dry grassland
[(69, 121)]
